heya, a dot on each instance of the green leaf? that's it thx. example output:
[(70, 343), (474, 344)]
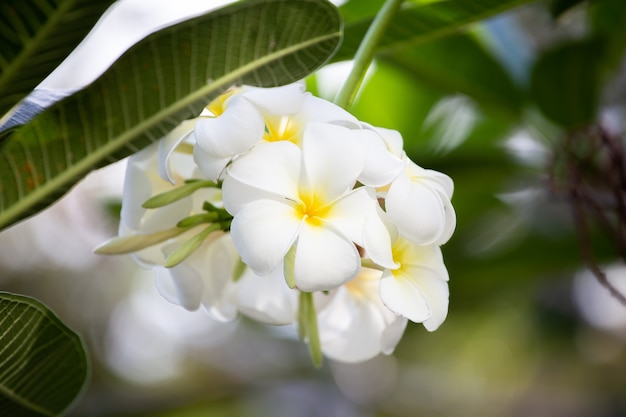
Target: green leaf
[(43, 364), (35, 36), (168, 77), (560, 7), (565, 82), (417, 22), (458, 64)]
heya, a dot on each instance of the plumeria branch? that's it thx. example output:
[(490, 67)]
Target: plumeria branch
[(593, 178), (365, 54)]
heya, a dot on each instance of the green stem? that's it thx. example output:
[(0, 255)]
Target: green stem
[(365, 54), (307, 323)]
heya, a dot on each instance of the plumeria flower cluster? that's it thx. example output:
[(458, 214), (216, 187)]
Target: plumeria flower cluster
[(283, 207)]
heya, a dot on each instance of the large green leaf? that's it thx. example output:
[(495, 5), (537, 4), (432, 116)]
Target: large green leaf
[(166, 78), (43, 365), (416, 22), (35, 36)]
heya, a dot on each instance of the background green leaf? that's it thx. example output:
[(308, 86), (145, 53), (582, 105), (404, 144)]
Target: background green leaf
[(166, 78), (43, 365), (565, 82), (35, 36), (458, 64), (416, 22)]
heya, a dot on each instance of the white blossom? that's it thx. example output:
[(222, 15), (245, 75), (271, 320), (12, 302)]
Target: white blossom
[(354, 324), (418, 288), (282, 196), (293, 195)]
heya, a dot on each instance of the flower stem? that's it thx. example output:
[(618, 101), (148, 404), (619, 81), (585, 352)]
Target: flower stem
[(365, 53), (307, 327)]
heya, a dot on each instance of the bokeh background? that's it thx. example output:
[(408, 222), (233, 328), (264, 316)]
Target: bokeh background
[(530, 331)]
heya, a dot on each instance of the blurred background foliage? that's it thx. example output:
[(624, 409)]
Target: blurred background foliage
[(506, 108)]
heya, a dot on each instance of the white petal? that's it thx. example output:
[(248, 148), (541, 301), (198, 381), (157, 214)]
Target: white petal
[(377, 241), (324, 258), (351, 329), (417, 293), (436, 179), (315, 109), (354, 324), (450, 221), (348, 213), (404, 297), (211, 166), (332, 159), (272, 167), (236, 194), (381, 166), (282, 100), (168, 145), (423, 255), (392, 335), (215, 262), (179, 285), (417, 210), (392, 138), (137, 186), (263, 231), (204, 278), (235, 131), (437, 293), (142, 181), (267, 299)]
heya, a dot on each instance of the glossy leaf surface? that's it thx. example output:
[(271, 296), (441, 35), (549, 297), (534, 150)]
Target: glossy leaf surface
[(166, 78), (43, 365), (416, 22), (35, 36)]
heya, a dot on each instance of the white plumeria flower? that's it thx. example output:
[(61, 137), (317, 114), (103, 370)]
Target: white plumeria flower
[(418, 288), (234, 126), (266, 299), (384, 155), (246, 116), (355, 325), (284, 197), (143, 181), (205, 278), (418, 202), (156, 169), (287, 111)]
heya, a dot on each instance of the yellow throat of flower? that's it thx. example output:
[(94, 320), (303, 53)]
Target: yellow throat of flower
[(281, 128), (217, 107), (312, 208)]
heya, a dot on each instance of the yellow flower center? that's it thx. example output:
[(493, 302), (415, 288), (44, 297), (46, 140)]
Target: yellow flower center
[(312, 208), (365, 284), (217, 105), (399, 253), (281, 128)]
